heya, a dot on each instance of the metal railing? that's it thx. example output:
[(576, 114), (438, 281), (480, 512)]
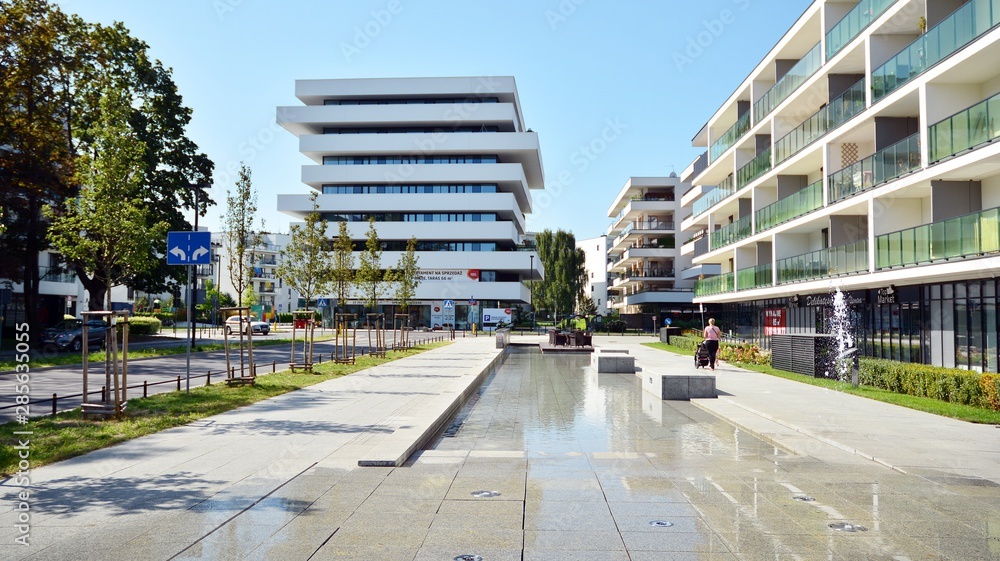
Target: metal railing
[(714, 285), (754, 277), (713, 197), (753, 169), (853, 23), (732, 233)]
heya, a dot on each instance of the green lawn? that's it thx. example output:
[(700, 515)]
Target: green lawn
[(943, 408), (68, 434)]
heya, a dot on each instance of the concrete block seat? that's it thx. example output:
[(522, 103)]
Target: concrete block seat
[(679, 386), (612, 361)]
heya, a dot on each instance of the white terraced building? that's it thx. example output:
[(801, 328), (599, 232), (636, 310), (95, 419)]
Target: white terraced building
[(646, 271), (446, 160), (859, 155)]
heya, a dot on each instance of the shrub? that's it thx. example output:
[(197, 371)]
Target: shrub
[(944, 384), (743, 353), (143, 325)]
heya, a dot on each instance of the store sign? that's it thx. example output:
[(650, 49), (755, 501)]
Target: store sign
[(887, 295), (827, 300), (448, 275), (442, 315), (774, 321)]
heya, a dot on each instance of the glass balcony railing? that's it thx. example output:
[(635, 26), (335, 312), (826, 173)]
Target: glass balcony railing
[(882, 166), (55, 274), (755, 168), (754, 277), (648, 273), (851, 25), (970, 235), (966, 129), (831, 116), (791, 207), (959, 29), (710, 199), (732, 233), (823, 263), (714, 285), (795, 77), (730, 137)]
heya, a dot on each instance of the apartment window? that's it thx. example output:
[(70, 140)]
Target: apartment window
[(409, 189), (397, 160), (411, 101), (410, 217), (409, 130)]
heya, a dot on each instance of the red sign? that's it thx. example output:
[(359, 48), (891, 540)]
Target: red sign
[(774, 321), (473, 274)]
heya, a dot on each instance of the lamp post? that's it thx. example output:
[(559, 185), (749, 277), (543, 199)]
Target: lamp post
[(193, 299), (531, 290)]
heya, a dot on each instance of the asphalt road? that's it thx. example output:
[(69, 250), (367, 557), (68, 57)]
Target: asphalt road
[(161, 371)]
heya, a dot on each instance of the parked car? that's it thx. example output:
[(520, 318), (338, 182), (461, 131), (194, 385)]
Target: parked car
[(249, 322), (68, 335)]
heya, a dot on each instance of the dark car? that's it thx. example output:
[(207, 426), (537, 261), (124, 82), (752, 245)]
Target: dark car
[(68, 335)]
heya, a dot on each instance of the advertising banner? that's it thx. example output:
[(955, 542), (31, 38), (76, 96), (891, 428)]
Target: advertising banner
[(448, 275), (774, 321), (491, 316)]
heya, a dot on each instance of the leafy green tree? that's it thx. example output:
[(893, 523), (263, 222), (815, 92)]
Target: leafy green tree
[(370, 278), (106, 230), (240, 238), (407, 275), (586, 307), (306, 265), (565, 274), (343, 265)]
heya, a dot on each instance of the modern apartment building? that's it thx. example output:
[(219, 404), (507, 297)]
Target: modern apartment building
[(645, 265), (858, 156), (596, 265), (271, 291), (446, 160)]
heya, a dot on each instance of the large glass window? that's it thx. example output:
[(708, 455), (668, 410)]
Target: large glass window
[(409, 189), (399, 160), (411, 100)]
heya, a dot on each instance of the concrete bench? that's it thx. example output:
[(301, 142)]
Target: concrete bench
[(679, 386), (612, 361)]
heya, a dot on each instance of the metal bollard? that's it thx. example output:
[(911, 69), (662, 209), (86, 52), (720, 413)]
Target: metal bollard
[(55, 399), (145, 389), (273, 366), (104, 394), (178, 383), (208, 378)]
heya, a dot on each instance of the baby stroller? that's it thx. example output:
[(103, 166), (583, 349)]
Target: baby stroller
[(701, 355)]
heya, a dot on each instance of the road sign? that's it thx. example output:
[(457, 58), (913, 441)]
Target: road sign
[(189, 248), (322, 303), (667, 321), (449, 304)]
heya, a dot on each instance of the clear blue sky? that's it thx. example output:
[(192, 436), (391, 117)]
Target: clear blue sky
[(580, 66)]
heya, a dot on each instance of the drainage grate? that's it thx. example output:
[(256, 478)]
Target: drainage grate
[(660, 523), (469, 557), (847, 527), (485, 494), (803, 498)]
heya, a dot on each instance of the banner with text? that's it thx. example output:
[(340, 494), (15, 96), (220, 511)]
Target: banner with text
[(448, 275)]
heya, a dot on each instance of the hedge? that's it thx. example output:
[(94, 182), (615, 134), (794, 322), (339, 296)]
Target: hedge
[(954, 385), (287, 317), (143, 325)]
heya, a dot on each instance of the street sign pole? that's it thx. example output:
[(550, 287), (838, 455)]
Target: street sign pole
[(190, 269)]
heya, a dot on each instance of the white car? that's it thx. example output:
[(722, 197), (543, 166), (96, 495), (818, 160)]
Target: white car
[(249, 323)]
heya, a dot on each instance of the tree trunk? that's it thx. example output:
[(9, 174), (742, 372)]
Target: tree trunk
[(96, 288)]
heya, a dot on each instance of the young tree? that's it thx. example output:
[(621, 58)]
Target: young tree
[(586, 307), (406, 276), (343, 265), (240, 238), (564, 271), (306, 265), (106, 229), (370, 278)]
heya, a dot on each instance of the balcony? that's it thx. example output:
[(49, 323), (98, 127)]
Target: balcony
[(962, 27), (714, 285), (791, 207), (971, 235), (882, 166), (639, 274), (755, 168), (795, 77), (754, 277), (658, 296), (732, 233), (965, 130), (829, 117), (713, 197), (852, 24), (636, 203), (730, 137), (831, 262)]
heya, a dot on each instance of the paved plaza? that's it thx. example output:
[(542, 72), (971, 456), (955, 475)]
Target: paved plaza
[(546, 460)]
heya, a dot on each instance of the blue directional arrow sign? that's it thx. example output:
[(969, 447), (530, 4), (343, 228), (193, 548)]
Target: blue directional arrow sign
[(189, 248)]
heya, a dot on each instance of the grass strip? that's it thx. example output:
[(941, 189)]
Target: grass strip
[(68, 434), (943, 408)]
